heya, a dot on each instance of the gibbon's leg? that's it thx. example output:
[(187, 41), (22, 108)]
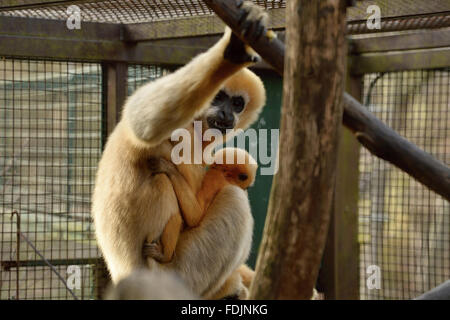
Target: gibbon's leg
[(247, 275), (232, 288), (190, 208), (121, 232), (206, 256), (163, 250), (158, 108), (237, 285)]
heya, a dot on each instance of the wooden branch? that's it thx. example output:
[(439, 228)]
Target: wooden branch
[(420, 165), (388, 145), (302, 193)]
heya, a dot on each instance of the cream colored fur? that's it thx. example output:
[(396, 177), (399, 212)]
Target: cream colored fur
[(131, 206)]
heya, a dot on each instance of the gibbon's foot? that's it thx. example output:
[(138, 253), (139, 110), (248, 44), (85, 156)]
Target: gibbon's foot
[(153, 250), (253, 21), (241, 294), (160, 165)]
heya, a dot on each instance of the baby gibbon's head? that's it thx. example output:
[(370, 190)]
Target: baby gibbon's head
[(237, 165), (237, 104)]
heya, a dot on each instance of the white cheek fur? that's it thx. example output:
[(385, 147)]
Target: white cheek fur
[(212, 110), (241, 93)]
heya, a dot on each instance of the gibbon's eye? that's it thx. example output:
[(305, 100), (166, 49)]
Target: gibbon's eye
[(242, 176), (219, 98), (238, 104)]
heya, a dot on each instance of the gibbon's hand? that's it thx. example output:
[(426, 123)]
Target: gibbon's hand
[(253, 21), (160, 165), (153, 250)]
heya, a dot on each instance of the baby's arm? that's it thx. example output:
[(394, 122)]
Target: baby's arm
[(190, 208)]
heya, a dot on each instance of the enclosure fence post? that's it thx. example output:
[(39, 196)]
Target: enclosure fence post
[(101, 279), (339, 274), (115, 75), (302, 193)]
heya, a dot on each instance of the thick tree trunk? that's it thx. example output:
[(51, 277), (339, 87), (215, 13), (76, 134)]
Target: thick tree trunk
[(301, 198)]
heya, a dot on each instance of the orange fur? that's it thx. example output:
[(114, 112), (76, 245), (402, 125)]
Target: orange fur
[(216, 178)]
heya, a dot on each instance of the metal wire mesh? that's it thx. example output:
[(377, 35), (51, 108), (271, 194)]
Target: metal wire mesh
[(50, 143), (130, 11), (139, 74), (440, 20), (404, 228), (396, 15)]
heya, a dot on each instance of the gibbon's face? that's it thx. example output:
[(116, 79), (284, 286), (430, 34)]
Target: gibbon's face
[(225, 109), (242, 169), (241, 175), (237, 104)]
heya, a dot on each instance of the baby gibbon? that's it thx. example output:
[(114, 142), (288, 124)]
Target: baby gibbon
[(230, 166)]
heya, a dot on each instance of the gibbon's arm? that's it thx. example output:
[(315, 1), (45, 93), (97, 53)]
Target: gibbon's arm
[(191, 210), (155, 110), (193, 207)]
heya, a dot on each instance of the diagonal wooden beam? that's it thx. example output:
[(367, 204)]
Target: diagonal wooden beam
[(189, 27), (302, 192)]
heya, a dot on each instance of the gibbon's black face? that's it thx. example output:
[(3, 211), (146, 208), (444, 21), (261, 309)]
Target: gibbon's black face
[(224, 110)]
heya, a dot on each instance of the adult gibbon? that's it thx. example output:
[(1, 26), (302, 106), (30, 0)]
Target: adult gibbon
[(132, 206)]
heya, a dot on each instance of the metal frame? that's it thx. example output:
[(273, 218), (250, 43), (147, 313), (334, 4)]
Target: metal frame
[(113, 42)]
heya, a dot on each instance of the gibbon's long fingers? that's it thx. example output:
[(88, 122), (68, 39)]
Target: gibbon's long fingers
[(153, 250), (253, 29), (253, 21), (243, 16)]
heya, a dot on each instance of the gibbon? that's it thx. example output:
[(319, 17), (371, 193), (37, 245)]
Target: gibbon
[(239, 170), (145, 284), (130, 205)]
